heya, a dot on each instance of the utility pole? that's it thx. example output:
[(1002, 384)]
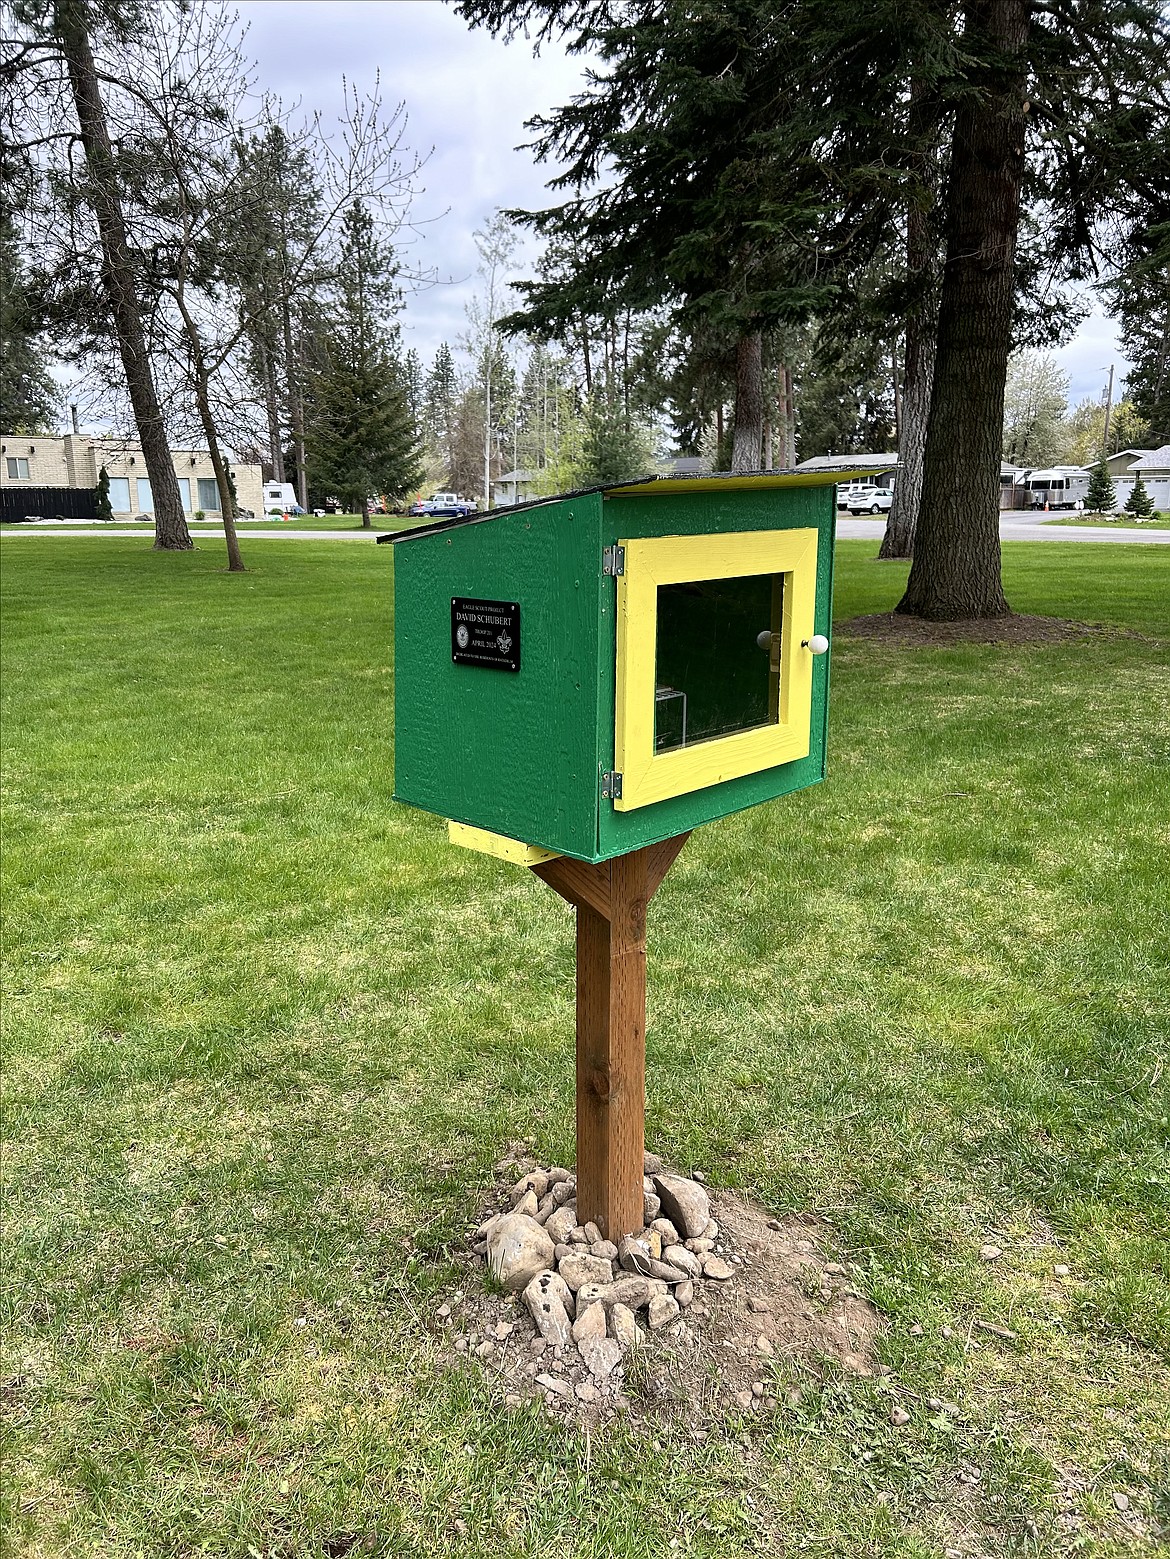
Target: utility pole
[(1108, 410)]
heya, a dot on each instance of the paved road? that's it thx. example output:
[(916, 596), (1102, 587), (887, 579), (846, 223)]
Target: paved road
[(847, 527), (1021, 530)]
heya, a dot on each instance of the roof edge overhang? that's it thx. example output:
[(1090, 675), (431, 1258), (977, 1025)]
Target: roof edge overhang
[(654, 486)]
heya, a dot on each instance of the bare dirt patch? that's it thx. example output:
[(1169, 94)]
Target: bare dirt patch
[(1017, 628), (790, 1307)]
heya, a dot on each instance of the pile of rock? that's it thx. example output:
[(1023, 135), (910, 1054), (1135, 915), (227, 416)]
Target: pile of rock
[(587, 1292)]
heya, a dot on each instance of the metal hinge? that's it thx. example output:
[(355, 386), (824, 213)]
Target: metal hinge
[(611, 784), (613, 561)]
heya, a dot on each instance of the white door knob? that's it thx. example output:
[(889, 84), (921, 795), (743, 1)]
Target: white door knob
[(818, 644)]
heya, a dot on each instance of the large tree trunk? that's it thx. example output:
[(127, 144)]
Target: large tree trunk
[(789, 420), (921, 335), (956, 569), (917, 378), (118, 279), (749, 403)]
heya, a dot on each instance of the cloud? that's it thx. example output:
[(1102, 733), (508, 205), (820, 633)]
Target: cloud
[(466, 96)]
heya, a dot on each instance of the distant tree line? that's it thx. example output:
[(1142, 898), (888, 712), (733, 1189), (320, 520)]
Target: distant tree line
[(234, 274)]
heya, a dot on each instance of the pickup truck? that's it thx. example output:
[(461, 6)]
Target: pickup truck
[(444, 504)]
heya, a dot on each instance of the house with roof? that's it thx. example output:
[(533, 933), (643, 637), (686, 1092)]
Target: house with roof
[(1153, 465)]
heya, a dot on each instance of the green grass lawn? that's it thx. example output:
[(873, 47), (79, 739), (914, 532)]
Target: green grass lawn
[(341, 522), (267, 1034)]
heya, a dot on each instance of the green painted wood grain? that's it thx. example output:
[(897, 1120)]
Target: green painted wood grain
[(522, 754)]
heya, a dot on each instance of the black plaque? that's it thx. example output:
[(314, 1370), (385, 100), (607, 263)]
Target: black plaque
[(485, 633)]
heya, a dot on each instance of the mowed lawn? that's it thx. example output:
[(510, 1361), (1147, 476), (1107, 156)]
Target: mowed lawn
[(267, 1035)]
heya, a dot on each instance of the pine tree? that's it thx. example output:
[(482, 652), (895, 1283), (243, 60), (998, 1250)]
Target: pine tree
[(614, 449), (364, 440), (1139, 504), (1101, 497), (30, 396)]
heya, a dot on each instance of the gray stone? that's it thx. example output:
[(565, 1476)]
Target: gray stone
[(553, 1383), (678, 1256), (625, 1327), (663, 1310), (485, 1349), (561, 1224), (518, 1248), (685, 1203), (667, 1273), (602, 1355), (652, 1164), (710, 1230), (578, 1236), (579, 1268), (684, 1293), (899, 1417), (633, 1292), (586, 1391), (757, 1304), (564, 1191), (546, 1209), (527, 1205), (536, 1182), (590, 1322), (592, 1232), (634, 1254), (561, 1251), (666, 1229), (716, 1267), (990, 1252), (557, 1175), (651, 1207), (606, 1249), (546, 1298), (700, 1246)]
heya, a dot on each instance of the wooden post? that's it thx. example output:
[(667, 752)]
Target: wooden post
[(611, 900)]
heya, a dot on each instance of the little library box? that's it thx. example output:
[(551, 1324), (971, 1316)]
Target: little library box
[(579, 683)]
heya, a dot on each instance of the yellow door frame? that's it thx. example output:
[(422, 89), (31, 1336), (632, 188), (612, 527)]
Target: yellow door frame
[(650, 561)]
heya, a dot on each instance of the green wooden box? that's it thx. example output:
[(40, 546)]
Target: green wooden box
[(600, 671)]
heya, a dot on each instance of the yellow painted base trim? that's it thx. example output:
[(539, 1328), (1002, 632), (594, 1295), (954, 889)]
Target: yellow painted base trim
[(503, 848)]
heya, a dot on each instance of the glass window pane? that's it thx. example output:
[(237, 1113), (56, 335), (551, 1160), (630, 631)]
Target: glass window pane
[(120, 494), (145, 496), (208, 493), (717, 658), (185, 492)]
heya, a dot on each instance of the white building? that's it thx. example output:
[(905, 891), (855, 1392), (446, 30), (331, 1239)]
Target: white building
[(75, 460), (1154, 467)]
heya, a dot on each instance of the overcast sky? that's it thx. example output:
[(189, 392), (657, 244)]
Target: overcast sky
[(467, 96)]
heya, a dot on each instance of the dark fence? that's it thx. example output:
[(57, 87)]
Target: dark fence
[(47, 503)]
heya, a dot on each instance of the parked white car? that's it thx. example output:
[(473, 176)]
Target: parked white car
[(869, 500)]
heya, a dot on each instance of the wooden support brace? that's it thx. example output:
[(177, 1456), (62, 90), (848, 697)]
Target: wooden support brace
[(611, 900)]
